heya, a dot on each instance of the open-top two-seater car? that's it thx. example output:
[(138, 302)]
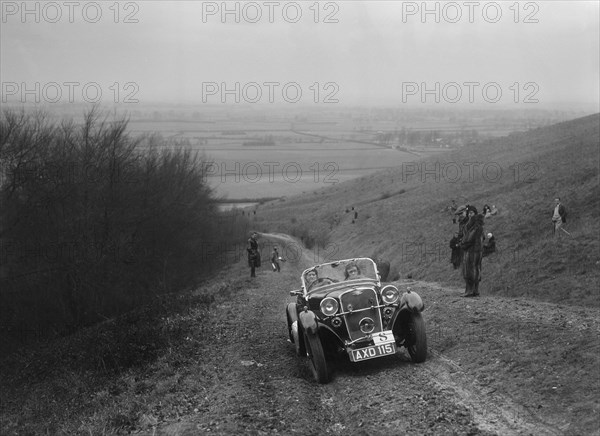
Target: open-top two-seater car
[(342, 307)]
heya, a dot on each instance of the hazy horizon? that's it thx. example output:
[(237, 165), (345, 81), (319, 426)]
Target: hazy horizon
[(378, 53)]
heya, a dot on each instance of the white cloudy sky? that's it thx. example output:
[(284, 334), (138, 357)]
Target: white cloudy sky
[(368, 53)]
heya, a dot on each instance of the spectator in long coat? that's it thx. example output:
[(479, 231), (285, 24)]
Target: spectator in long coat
[(457, 253), (472, 246)]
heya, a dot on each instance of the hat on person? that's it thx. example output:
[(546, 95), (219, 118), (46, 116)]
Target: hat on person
[(460, 210), (489, 235)]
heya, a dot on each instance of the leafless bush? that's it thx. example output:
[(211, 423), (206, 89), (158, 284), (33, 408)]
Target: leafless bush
[(94, 222)]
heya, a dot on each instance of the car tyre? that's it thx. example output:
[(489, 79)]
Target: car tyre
[(316, 357), (294, 331), (292, 317), (416, 342), (298, 340)]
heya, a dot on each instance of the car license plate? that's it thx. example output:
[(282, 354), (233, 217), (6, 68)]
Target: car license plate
[(372, 352)]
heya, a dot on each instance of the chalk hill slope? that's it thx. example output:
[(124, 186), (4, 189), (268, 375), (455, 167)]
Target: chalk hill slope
[(400, 214)]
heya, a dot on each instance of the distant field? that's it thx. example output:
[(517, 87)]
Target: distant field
[(241, 172), (296, 163), (308, 153)]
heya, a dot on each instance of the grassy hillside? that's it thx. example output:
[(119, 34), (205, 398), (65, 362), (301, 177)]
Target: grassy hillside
[(400, 213)]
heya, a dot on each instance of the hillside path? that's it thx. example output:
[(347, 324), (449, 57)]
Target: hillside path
[(254, 383)]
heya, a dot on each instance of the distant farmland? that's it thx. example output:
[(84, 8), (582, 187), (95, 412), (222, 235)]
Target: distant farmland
[(298, 156)]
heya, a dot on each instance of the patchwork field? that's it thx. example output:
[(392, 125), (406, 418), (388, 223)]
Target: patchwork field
[(256, 155)]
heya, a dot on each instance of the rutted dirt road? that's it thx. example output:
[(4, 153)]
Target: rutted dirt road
[(484, 373)]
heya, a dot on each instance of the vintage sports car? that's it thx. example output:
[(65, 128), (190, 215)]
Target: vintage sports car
[(342, 308)]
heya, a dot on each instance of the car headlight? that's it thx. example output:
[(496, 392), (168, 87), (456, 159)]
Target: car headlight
[(390, 294), (329, 306)]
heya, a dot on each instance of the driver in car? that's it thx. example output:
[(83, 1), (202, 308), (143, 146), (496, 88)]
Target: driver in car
[(352, 271), (311, 278)]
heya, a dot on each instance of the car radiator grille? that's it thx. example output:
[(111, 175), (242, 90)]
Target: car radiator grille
[(360, 301)]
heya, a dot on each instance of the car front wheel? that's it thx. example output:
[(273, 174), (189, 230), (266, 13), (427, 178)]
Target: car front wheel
[(316, 357), (416, 342)]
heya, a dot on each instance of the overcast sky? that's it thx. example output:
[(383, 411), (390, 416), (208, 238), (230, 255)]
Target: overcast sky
[(376, 52)]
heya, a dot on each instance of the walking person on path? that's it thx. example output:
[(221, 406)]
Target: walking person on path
[(559, 217), (275, 258)]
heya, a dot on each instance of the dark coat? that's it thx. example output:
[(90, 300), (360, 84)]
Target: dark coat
[(457, 251), (253, 253), (562, 211), (456, 256), (383, 267), (472, 246), (461, 227)]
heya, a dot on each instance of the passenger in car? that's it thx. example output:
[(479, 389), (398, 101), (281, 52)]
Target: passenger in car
[(352, 271)]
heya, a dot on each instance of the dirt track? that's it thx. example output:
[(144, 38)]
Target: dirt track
[(471, 383)]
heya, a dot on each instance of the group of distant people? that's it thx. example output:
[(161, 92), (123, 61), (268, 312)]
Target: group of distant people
[(254, 260), (487, 211), (467, 247), (470, 244)]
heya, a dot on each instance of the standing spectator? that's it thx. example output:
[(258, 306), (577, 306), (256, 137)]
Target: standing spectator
[(559, 217), (253, 254), (453, 206), (383, 267), (275, 260), (472, 246), (457, 252), (452, 209)]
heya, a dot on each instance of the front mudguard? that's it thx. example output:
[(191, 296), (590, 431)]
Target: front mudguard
[(296, 326), (410, 304), (412, 301), (308, 321)]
